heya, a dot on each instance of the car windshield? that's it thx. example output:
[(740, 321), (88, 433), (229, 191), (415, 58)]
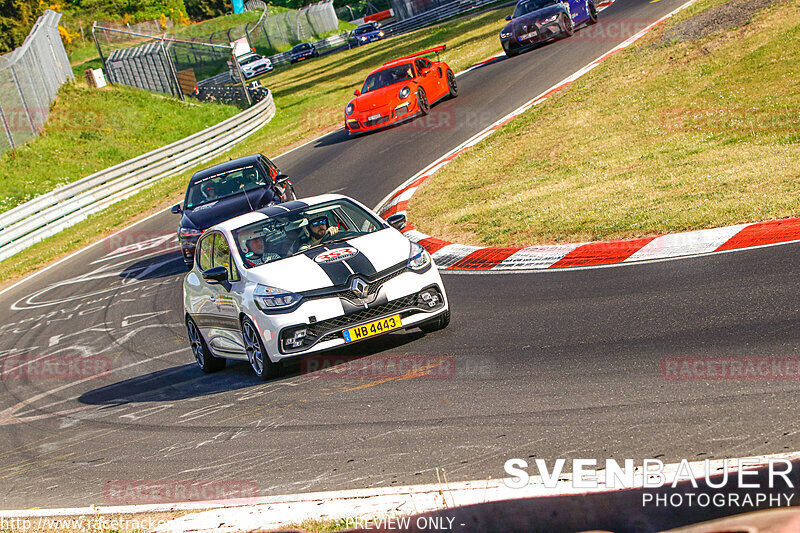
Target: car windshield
[(248, 59), (223, 185), (361, 30), (523, 8), (288, 234), (302, 47), (388, 76)]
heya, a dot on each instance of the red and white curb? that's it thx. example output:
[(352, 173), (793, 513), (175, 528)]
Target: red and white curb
[(452, 256)]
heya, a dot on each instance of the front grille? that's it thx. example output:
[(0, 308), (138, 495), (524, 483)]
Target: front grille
[(375, 122), (331, 328), (375, 286)]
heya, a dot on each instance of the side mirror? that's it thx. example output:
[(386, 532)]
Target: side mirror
[(216, 275), (357, 92), (176, 209), (281, 179), (397, 221), (508, 17)]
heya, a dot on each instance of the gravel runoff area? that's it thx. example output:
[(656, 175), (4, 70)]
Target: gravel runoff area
[(733, 14)]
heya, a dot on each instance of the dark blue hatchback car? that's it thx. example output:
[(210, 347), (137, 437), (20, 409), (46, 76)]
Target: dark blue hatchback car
[(228, 190)]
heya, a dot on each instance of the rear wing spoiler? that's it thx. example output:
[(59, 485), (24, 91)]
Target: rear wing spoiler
[(434, 50)]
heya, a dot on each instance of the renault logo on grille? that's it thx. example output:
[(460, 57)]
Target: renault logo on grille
[(359, 287)]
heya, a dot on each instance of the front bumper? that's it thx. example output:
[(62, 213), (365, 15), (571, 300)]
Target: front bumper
[(188, 244), (257, 71), (370, 39), (535, 34), (324, 321), (361, 122)]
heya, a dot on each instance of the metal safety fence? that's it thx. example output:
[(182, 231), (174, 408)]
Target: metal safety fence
[(290, 27), (64, 207), (176, 67), (30, 77)]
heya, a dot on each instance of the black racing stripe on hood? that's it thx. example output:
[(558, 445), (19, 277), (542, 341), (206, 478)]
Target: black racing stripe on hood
[(282, 209), (337, 272), (294, 204), (361, 264)]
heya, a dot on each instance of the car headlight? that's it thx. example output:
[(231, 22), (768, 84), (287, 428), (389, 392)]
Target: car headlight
[(349, 109), (548, 20), (190, 232), (273, 299), (380, 33), (404, 92), (505, 34), (364, 38), (419, 257)]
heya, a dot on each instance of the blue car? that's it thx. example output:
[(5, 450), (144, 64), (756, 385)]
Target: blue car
[(303, 51), (366, 33), (225, 191), (538, 21)]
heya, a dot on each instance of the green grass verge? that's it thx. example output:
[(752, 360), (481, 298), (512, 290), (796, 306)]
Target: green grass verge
[(665, 136), (89, 130), (310, 99)]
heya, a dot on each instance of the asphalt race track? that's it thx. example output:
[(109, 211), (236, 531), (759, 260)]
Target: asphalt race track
[(556, 364)]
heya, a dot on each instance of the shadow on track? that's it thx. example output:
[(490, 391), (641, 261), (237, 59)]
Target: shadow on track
[(187, 381), (156, 267)]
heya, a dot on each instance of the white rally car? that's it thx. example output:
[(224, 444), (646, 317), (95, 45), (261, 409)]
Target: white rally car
[(305, 276)]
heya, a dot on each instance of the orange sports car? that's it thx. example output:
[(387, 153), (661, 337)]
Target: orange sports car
[(399, 90)]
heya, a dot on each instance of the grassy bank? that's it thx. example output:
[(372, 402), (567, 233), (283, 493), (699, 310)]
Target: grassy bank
[(89, 130), (310, 99), (685, 130)]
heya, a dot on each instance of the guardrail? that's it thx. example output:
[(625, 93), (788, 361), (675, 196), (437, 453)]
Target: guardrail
[(433, 16), (322, 46), (57, 210)]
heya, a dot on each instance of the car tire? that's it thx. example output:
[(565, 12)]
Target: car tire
[(592, 14), (289, 194), (202, 355), (512, 53), (437, 323), (451, 84), (257, 355), (422, 102), (569, 27)]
